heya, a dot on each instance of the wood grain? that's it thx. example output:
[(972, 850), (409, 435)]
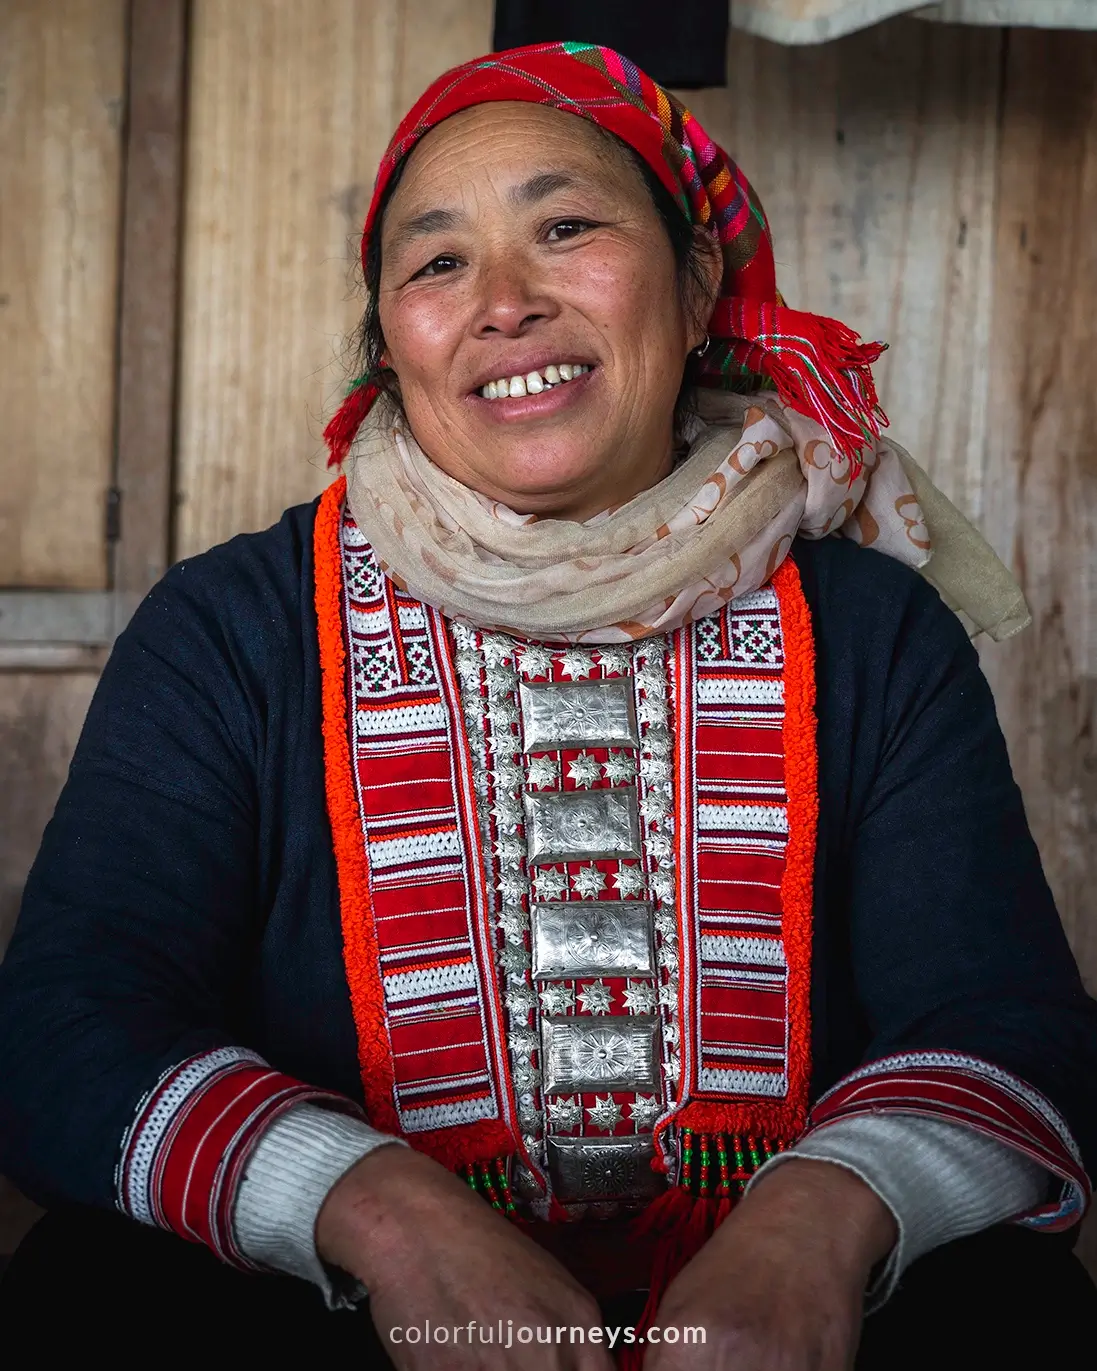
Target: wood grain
[(147, 326), (40, 720), (61, 89), (1042, 456), (875, 157), (291, 107)]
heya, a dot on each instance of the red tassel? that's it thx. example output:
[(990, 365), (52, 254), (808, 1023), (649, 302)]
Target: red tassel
[(820, 367), (683, 1225), (347, 420)]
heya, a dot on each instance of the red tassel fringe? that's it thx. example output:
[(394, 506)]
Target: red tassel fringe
[(820, 367), (347, 420)]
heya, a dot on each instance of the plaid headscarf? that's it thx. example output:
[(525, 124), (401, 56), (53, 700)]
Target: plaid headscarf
[(818, 366)]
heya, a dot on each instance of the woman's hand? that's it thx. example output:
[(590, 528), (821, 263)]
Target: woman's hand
[(426, 1247), (780, 1284)]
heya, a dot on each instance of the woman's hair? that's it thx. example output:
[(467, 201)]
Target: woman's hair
[(689, 257)]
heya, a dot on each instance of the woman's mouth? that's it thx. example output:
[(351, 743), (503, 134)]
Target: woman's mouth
[(533, 382)]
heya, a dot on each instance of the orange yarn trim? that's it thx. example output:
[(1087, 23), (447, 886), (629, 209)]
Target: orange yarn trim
[(360, 953), (786, 1119), (452, 1147)]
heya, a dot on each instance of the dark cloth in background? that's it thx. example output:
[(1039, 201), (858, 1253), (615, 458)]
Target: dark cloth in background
[(85, 1281), (681, 45)]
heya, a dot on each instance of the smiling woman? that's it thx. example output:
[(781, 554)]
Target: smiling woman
[(553, 869), (570, 268)]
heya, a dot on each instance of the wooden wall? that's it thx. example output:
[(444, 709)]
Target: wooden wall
[(935, 185)]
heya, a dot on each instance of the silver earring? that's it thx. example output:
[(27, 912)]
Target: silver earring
[(702, 348)]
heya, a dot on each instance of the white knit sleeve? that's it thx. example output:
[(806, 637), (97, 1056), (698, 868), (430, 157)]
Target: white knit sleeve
[(289, 1173), (941, 1181)]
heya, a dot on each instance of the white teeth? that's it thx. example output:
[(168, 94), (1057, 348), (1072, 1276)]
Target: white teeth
[(532, 384)]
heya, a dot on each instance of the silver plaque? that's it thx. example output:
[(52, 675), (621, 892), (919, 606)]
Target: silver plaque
[(603, 1168), (617, 1052), (577, 825), (592, 938), (560, 714)]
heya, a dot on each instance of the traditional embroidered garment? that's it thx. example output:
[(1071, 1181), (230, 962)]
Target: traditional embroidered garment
[(602, 925), (190, 866)]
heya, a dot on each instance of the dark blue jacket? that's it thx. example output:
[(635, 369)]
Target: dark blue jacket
[(185, 893)]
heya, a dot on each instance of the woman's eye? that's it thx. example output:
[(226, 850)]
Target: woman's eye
[(568, 228), (438, 266)]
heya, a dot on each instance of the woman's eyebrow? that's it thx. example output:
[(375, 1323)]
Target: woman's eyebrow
[(430, 221), (536, 188)]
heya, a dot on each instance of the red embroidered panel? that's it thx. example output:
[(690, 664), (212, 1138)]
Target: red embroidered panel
[(419, 823)]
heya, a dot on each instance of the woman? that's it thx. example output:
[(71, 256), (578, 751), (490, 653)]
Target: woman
[(557, 797)]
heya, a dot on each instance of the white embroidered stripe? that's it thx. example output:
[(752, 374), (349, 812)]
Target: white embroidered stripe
[(400, 851), (739, 690), (142, 1141), (422, 875), (740, 842), (768, 1084), (427, 818), (419, 951), (449, 1083), (402, 719), (761, 788), (421, 744), (434, 1009), (748, 980), (726, 717), (754, 600), (436, 980), (742, 916), (446, 1115), (753, 951), (762, 1054), (742, 818)]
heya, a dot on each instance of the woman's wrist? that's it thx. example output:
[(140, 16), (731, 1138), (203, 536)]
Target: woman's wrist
[(363, 1223), (823, 1208)]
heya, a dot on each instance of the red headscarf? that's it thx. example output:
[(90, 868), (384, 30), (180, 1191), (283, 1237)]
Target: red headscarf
[(818, 366)]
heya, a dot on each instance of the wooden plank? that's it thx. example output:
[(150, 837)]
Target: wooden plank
[(61, 88), (875, 157), (57, 616), (40, 721), (147, 326), (1041, 476), (290, 108)]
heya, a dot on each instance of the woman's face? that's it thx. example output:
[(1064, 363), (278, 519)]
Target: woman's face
[(521, 240)]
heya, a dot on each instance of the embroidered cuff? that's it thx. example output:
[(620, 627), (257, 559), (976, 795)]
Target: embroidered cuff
[(191, 1137), (954, 1088), (941, 1181), (289, 1174)]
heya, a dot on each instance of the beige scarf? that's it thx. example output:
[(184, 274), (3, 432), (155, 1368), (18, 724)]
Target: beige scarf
[(757, 474)]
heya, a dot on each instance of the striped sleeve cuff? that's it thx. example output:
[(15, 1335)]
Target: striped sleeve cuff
[(941, 1181), (289, 1175), (183, 1155)]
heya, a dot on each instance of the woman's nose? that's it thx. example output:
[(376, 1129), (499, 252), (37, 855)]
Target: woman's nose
[(511, 300)]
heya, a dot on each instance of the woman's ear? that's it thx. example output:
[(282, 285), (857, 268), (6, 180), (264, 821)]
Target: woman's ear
[(708, 276)]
